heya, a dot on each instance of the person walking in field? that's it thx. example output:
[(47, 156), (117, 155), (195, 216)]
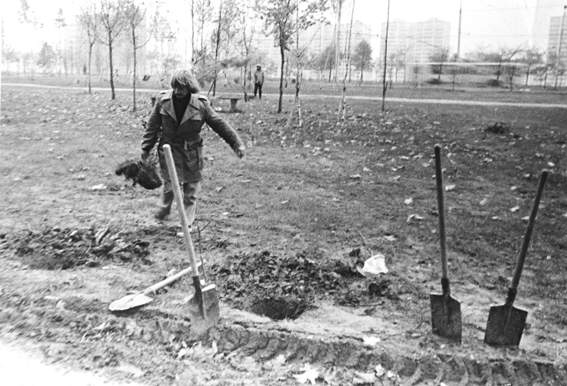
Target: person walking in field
[(258, 81), (177, 119)]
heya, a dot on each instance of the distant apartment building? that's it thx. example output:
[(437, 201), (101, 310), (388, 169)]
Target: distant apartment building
[(557, 40), (316, 39), (544, 12), (416, 42), (320, 36)]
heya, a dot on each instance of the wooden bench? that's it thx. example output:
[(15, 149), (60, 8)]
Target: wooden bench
[(233, 101)]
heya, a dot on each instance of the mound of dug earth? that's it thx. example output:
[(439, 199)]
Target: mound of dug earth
[(284, 287), (57, 248)]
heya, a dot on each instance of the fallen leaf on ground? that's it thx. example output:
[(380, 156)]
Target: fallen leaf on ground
[(363, 378), (98, 187), (408, 201), (380, 371), (514, 209), (450, 187), (483, 202), (355, 177), (416, 217), (370, 340), (309, 374)]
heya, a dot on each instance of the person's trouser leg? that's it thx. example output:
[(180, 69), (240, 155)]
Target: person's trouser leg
[(260, 91), (190, 193), (166, 200), (255, 89)]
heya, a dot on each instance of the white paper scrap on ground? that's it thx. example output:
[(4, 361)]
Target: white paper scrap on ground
[(373, 266)]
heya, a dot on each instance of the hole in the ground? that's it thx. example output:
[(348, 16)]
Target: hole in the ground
[(278, 308)]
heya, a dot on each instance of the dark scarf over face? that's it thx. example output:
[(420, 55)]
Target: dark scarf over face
[(179, 105)]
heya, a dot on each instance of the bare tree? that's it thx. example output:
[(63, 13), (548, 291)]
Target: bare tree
[(111, 18), (439, 58), (342, 109), (384, 85), (337, 7), (531, 57), (248, 32), (88, 19), (217, 47), (279, 20), (134, 15)]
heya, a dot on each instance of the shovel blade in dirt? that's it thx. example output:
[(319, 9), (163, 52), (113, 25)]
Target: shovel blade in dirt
[(140, 299), (506, 323), (203, 307), (505, 326), (446, 317), (129, 302), (445, 311)]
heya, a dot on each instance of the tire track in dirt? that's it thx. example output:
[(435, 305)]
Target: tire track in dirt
[(265, 342)]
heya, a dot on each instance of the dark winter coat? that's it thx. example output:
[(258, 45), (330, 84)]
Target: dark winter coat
[(184, 137)]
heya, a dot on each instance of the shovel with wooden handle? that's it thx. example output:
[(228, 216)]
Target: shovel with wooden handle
[(445, 311), (506, 323), (204, 305), (141, 298)]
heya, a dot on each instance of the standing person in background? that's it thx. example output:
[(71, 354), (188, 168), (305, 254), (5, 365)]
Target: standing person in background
[(177, 119), (258, 81)]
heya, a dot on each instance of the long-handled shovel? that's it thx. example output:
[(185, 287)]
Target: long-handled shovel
[(506, 323), (204, 305), (445, 311), (141, 298)]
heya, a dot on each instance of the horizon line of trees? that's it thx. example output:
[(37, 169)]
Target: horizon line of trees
[(135, 35)]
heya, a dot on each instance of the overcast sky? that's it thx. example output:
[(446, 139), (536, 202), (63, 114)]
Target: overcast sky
[(485, 23)]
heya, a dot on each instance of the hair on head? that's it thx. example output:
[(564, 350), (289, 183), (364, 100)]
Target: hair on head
[(184, 79)]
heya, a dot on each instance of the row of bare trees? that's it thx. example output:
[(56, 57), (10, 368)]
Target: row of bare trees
[(103, 22)]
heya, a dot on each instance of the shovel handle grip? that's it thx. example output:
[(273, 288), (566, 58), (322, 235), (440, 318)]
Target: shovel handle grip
[(528, 233), (180, 207), (441, 209)]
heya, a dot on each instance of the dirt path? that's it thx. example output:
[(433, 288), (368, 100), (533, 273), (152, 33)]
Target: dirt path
[(21, 367), (330, 96)]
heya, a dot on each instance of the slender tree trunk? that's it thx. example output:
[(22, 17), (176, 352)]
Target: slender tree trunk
[(282, 64), (134, 70), (217, 45), (342, 106), (193, 31), (361, 74), (89, 69), (384, 85), (338, 40), (112, 92), (527, 75)]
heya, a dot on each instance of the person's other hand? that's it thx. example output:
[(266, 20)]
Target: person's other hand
[(240, 151)]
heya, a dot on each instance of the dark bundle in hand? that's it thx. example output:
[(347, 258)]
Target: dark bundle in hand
[(140, 172)]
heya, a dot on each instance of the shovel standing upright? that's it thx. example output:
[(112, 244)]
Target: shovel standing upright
[(445, 311), (506, 323), (204, 305)]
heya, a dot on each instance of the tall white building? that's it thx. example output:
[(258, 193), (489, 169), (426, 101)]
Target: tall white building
[(545, 10), (557, 39), (417, 42)]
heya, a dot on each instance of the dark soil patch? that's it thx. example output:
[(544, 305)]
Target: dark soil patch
[(57, 248), (284, 287)]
